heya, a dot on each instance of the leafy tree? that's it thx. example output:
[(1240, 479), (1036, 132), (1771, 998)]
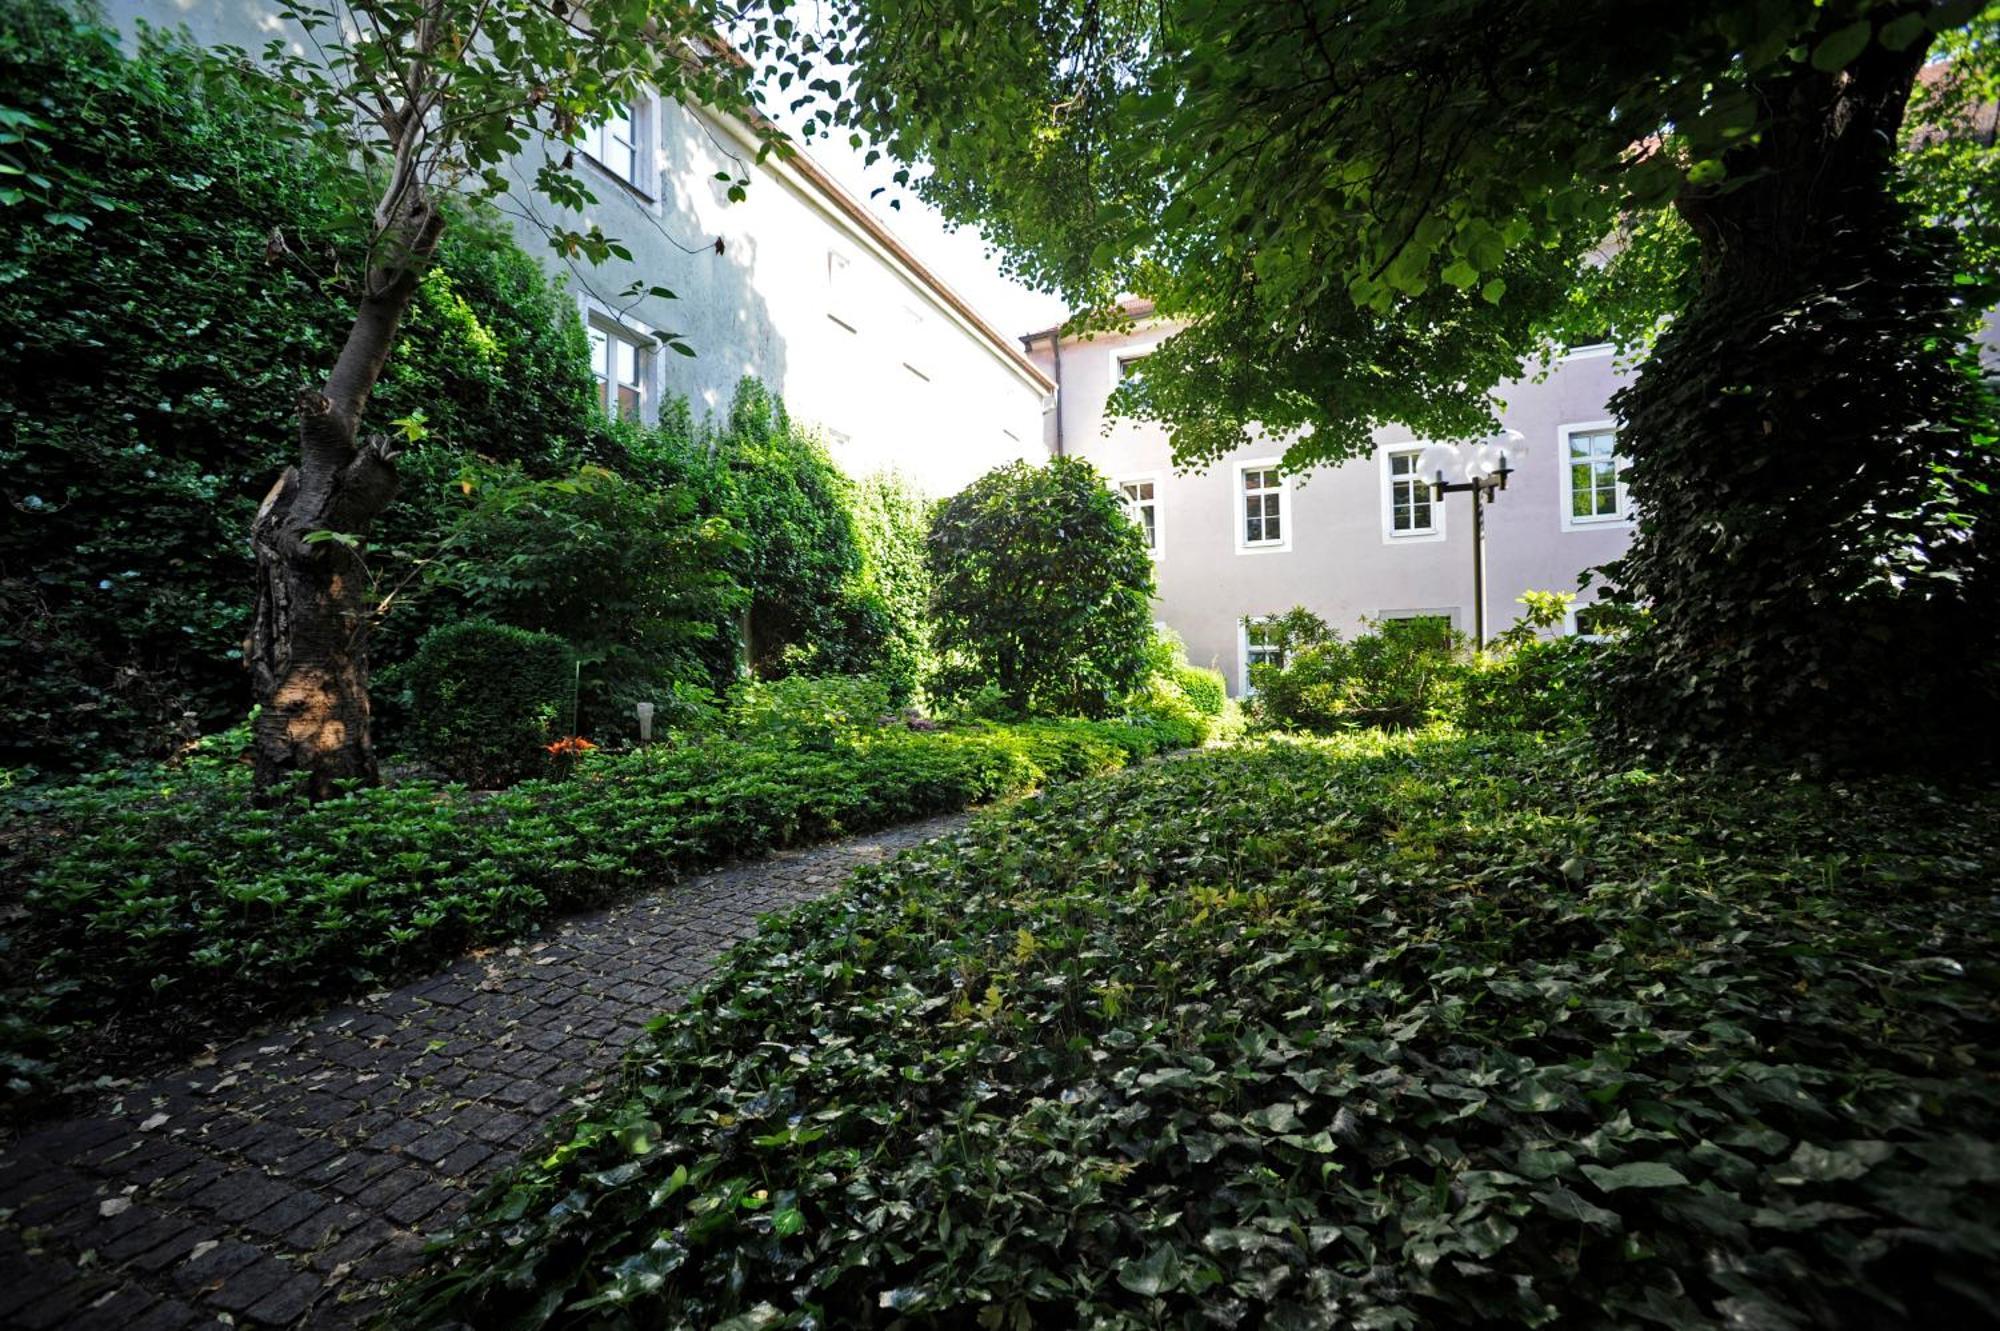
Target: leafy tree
[(1374, 212), (155, 345), (432, 98), (1041, 588)]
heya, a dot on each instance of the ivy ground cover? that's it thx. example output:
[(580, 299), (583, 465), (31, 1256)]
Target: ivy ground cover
[(154, 909), (1371, 1032)]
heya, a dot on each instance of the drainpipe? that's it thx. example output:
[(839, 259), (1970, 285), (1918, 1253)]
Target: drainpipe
[(1055, 343)]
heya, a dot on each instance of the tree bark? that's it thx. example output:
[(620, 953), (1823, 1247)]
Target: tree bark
[(1797, 451), (308, 647)]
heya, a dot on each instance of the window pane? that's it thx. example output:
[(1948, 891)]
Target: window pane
[(628, 402), (628, 362), (1271, 532)]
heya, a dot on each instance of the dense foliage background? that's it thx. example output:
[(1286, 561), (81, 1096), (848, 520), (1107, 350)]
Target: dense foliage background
[(157, 346), (154, 355)]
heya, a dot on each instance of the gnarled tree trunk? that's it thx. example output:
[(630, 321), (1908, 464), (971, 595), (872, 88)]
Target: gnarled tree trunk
[(1798, 453), (308, 646)]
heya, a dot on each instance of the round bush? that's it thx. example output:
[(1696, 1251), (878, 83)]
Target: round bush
[(1203, 688), (487, 697)]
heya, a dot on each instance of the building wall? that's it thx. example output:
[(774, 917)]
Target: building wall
[(1338, 561), (786, 285)]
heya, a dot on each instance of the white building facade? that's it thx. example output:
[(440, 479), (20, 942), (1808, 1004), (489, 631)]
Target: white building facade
[(796, 284), (1356, 541)]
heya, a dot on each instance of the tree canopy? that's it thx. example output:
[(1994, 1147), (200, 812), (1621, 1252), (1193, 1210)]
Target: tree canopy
[(1367, 213)]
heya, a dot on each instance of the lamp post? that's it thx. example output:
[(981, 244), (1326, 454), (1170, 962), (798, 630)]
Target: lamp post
[(1481, 471)]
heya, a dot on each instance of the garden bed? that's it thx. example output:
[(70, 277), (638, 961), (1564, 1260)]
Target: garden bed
[(1374, 1032), (156, 910)]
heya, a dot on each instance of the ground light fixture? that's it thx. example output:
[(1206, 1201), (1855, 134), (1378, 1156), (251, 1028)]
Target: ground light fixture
[(1481, 469)]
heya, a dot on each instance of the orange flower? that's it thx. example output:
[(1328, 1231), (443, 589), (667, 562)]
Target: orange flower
[(573, 744)]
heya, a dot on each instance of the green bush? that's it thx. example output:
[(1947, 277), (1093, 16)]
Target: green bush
[(154, 353), (635, 579), (1041, 590), (812, 607), (1546, 687), (160, 909), (488, 698), (1402, 673), (819, 712), (893, 517), (1204, 688), (1385, 1031)]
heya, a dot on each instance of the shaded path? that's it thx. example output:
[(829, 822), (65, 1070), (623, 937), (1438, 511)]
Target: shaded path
[(284, 1182)]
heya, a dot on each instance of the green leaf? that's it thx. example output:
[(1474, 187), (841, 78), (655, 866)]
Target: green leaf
[(1639, 1174), (1152, 1275), (1842, 47), (1899, 33)]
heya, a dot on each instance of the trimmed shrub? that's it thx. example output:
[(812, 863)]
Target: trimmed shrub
[(1041, 589), (634, 579), (893, 516), (488, 697), (1546, 687), (810, 712), (1203, 688)]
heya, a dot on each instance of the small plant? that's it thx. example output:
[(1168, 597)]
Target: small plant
[(567, 752)]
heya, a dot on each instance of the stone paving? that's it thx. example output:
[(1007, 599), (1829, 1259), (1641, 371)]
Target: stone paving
[(287, 1181)]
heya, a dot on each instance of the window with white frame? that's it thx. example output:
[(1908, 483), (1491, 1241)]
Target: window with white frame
[(1262, 523), (1594, 622), (1129, 366), (1439, 622), (1262, 645), (840, 290), (1141, 498), (619, 361), (613, 143), (1593, 494), (1411, 509)]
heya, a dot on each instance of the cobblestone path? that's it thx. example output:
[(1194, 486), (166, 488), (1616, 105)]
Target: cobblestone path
[(287, 1180)]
